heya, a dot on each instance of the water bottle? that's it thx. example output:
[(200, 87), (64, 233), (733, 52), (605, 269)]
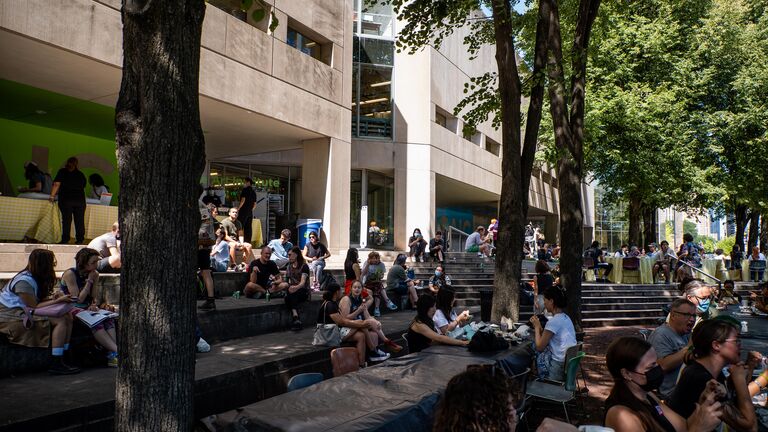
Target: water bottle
[(267, 295), (236, 295)]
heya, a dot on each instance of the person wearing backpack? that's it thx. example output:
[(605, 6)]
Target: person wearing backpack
[(39, 181)]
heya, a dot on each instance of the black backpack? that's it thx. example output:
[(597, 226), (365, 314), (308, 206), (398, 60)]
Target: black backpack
[(484, 341), (326, 280)]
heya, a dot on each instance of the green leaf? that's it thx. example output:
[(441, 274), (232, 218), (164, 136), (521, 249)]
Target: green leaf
[(246, 4), (274, 22), (258, 14)]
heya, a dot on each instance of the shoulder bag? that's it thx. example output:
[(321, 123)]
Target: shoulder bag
[(327, 334)]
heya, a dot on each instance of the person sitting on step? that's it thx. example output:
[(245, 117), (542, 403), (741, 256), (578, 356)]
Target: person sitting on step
[(280, 247), (108, 246), (399, 282), (437, 248), (351, 330), (439, 281), (264, 276), (235, 237), (220, 252), (296, 285), (373, 276), (416, 246), (315, 254), (33, 288), (353, 307)]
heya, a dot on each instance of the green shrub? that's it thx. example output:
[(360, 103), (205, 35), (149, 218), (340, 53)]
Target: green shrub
[(726, 244)]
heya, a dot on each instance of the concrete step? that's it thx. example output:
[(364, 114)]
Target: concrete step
[(632, 293), (629, 313), (622, 306), (650, 321), (14, 256), (628, 299)]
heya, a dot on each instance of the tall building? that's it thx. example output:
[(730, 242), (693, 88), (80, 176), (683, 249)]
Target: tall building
[(330, 121)]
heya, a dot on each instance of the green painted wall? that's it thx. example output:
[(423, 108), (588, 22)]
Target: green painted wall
[(18, 138)]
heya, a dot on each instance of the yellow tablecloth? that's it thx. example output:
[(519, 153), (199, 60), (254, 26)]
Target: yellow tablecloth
[(617, 274), (41, 220), (714, 267), (257, 239)]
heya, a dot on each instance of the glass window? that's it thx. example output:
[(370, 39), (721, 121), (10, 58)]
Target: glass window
[(373, 101), (381, 199), (355, 203), (441, 120), (374, 51), (303, 43)]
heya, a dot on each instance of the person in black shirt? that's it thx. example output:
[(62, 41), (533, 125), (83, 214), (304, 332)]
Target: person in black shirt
[(245, 209), (716, 345), (296, 286), (264, 276), (437, 248), (69, 184), (598, 258)]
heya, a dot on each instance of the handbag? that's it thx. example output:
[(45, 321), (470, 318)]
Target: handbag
[(327, 334), (55, 310)]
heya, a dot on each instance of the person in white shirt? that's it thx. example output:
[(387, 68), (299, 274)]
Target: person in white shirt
[(756, 265), (280, 248), (446, 320), (663, 263), (552, 341), (220, 252)]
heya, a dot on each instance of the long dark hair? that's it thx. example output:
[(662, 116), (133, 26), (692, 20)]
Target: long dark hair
[(486, 410), (40, 265), (625, 353), (31, 169), (299, 256), (423, 305), (83, 256), (352, 257), (97, 180), (444, 301)]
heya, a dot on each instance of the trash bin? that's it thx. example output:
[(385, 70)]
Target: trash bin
[(486, 304), (305, 226)]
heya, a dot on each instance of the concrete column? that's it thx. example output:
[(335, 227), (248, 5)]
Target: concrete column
[(414, 193), (325, 188)]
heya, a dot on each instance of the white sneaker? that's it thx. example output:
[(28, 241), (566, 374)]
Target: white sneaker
[(379, 355), (202, 346)]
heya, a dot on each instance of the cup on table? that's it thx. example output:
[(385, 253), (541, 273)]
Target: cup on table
[(744, 302)]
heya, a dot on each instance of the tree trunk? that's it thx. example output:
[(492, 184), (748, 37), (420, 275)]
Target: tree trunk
[(650, 234), (160, 153), (764, 232), (754, 226), (740, 215), (517, 163), (634, 214)]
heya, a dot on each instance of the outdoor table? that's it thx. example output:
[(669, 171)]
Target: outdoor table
[(257, 239), (714, 267), (617, 274), (399, 394), (745, 272)]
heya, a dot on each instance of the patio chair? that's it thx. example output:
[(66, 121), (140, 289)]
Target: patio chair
[(344, 361), (558, 393), (587, 264), (303, 380), (572, 352), (631, 264)]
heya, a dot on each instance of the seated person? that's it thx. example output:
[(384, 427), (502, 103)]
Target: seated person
[(39, 181), (756, 265), (728, 294), (353, 331), (353, 307), (634, 252), (421, 332), (664, 260), (33, 288), (398, 280), (623, 252), (296, 286), (476, 243), (542, 280), (598, 257), (220, 252), (416, 246), (672, 342), (264, 276), (555, 338), (80, 281), (234, 236), (761, 298), (716, 345), (437, 248), (439, 281), (632, 406), (280, 248), (373, 275), (544, 253), (315, 254), (701, 295), (651, 252), (108, 246), (445, 319)]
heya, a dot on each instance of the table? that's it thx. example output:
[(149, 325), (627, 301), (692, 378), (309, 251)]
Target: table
[(617, 274), (41, 220), (257, 239), (399, 394), (714, 267)]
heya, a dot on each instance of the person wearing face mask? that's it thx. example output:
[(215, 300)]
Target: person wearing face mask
[(700, 294), (632, 406), (439, 281), (716, 346), (416, 245)]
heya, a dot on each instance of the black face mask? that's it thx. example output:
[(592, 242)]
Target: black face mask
[(653, 378)]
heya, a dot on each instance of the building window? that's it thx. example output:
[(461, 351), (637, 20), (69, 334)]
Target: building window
[(372, 88), (304, 44), (441, 120), (492, 146), (610, 223)]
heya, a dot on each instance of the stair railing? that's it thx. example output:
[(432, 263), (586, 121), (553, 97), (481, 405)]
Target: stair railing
[(455, 236), (703, 273)]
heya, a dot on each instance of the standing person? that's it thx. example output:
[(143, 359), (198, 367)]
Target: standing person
[(39, 181), (555, 338), (672, 342), (245, 209), (280, 247), (108, 246), (373, 276), (79, 282), (689, 253), (416, 246), (476, 242), (69, 184), (264, 276), (633, 407), (437, 248), (493, 230), (716, 345), (439, 281), (296, 286), (97, 186), (756, 275), (398, 281), (235, 237), (736, 257), (598, 258), (663, 264), (33, 288), (205, 239), (315, 253)]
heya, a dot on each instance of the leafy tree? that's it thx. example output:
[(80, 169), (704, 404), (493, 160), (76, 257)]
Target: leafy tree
[(726, 244)]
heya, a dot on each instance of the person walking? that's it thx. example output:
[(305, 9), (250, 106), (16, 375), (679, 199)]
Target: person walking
[(245, 209), (69, 184)]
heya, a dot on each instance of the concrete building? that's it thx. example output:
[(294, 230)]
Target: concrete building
[(326, 117)]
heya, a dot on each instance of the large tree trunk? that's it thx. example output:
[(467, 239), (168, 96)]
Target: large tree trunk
[(650, 233), (764, 232), (754, 226), (160, 154), (740, 215), (517, 163), (634, 214)]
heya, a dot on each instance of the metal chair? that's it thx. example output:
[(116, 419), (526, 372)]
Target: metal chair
[(572, 352), (558, 393), (303, 380), (344, 360), (631, 264)]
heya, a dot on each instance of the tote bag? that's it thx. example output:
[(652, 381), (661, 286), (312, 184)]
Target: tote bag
[(327, 334)]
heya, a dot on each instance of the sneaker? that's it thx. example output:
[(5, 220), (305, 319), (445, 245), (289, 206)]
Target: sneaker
[(391, 306), (376, 312), (209, 305), (297, 325), (378, 356), (203, 346), (278, 294), (58, 367), (112, 360), (393, 346)]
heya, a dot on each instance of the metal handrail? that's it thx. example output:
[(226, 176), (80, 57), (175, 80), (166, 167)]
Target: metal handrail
[(451, 231), (718, 281)]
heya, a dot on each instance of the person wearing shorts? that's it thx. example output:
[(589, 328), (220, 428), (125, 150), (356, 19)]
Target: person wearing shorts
[(108, 246)]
